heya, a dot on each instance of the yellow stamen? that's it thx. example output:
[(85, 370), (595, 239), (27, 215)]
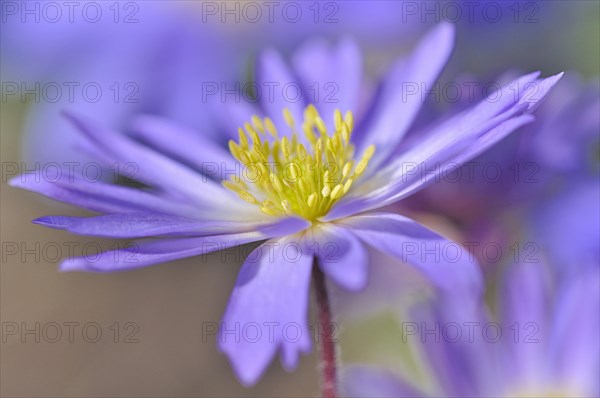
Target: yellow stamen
[(289, 119), (349, 119), (270, 126), (277, 183), (292, 176), (337, 118), (258, 124), (337, 191)]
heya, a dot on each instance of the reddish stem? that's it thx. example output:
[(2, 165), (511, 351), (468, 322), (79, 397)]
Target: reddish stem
[(327, 344)]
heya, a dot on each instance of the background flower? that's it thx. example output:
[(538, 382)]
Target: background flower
[(542, 342)]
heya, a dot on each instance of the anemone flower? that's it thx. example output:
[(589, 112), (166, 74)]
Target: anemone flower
[(543, 342), (305, 182)]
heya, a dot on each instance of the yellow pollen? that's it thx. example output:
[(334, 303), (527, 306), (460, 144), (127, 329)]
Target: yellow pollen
[(298, 175)]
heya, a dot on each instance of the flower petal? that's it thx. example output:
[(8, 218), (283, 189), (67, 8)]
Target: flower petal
[(446, 264), (270, 300), (232, 115), (341, 256), (157, 170), (273, 72), (462, 366), (449, 145), (575, 333), (414, 168), (445, 166), (140, 225), (336, 72), (99, 196), (184, 144), (404, 91), (525, 301), (138, 255)]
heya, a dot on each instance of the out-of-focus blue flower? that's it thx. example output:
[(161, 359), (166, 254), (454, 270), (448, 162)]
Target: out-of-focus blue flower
[(393, 19), (543, 342), (306, 184), (153, 57), (136, 57)]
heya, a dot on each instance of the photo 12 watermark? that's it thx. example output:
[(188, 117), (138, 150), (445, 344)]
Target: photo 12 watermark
[(70, 92), (470, 332), (269, 332), (269, 12), (55, 12), (69, 332)]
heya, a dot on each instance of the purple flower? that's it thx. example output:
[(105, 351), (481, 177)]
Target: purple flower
[(543, 342), (304, 181), (138, 57)]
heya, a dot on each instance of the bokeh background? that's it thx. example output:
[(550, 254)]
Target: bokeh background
[(155, 57)]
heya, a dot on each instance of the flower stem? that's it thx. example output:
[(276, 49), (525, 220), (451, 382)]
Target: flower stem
[(327, 344)]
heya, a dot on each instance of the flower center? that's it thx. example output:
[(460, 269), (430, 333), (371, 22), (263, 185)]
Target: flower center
[(283, 175)]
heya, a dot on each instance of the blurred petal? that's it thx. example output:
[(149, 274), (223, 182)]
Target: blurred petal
[(335, 71), (273, 72), (525, 297), (447, 331), (184, 144), (566, 226), (368, 382), (575, 333), (232, 115)]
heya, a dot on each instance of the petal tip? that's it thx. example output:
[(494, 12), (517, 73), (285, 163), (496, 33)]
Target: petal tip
[(74, 264), (45, 221), (248, 376), (555, 78), (444, 31), (57, 222), (16, 182)]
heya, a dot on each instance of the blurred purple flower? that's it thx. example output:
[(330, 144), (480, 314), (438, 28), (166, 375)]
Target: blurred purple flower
[(151, 57), (304, 212), (543, 343)]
